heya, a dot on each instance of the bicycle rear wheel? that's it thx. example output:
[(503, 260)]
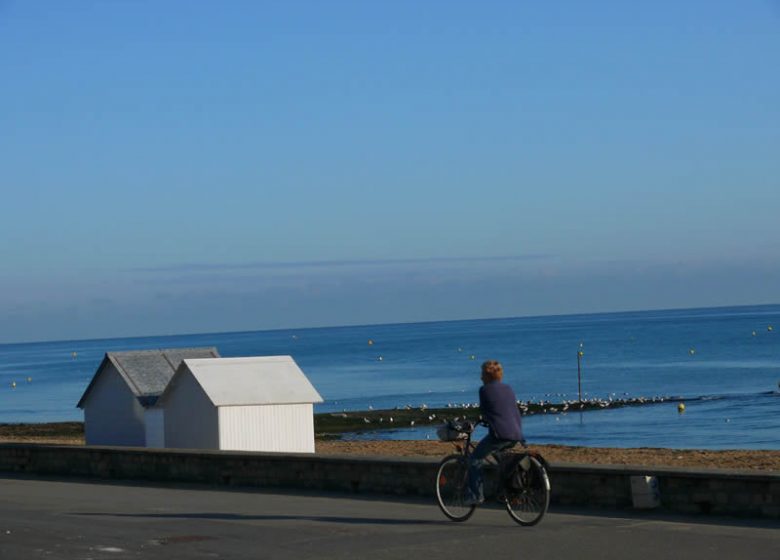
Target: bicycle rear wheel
[(451, 486), (528, 503)]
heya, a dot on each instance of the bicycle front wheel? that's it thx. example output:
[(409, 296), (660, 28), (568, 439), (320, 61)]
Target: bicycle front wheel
[(528, 503), (451, 485)]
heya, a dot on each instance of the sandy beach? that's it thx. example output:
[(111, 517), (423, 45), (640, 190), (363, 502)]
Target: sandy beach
[(71, 433), (729, 459)]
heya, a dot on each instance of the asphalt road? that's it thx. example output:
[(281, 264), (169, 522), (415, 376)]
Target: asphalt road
[(86, 520)]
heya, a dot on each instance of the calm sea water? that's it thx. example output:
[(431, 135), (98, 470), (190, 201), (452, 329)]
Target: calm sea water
[(725, 362)]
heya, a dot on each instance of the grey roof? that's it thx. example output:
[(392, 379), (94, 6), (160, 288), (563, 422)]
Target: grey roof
[(250, 381), (147, 372)]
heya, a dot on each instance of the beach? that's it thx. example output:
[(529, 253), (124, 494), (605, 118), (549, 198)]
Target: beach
[(71, 433), (757, 460)]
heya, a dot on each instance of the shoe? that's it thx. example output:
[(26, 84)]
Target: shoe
[(469, 501)]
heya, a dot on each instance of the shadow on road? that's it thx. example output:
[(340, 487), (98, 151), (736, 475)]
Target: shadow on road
[(239, 517), (662, 516)]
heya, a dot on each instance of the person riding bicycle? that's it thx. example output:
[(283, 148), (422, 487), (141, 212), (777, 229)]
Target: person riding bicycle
[(498, 404)]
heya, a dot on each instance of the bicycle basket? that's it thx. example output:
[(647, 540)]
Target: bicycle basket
[(450, 432)]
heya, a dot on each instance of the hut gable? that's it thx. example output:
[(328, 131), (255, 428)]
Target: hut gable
[(146, 372), (240, 404), (249, 381)]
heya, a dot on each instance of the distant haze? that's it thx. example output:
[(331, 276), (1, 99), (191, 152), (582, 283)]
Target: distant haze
[(185, 167)]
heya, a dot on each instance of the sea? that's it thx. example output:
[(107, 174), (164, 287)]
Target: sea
[(724, 363)]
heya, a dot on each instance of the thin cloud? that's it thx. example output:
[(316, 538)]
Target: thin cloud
[(260, 265)]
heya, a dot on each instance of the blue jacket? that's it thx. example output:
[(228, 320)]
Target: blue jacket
[(498, 404)]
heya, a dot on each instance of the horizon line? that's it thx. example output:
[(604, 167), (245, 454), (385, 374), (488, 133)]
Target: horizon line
[(196, 267), (356, 325)]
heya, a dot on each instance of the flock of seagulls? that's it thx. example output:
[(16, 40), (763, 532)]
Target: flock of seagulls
[(526, 407), (390, 419)]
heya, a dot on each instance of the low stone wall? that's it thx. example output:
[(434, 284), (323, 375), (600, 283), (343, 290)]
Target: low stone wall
[(720, 492), (681, 490)]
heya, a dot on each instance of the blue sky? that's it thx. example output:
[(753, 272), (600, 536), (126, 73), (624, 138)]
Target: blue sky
[(172, 167)]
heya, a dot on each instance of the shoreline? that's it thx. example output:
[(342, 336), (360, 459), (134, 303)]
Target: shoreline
[(72, 433), (332, 425)]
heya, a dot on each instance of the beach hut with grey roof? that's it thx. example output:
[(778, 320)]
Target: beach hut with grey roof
[(118, 402), (242, 404)]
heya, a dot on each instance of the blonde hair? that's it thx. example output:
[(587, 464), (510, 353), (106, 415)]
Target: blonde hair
[(492, 371)]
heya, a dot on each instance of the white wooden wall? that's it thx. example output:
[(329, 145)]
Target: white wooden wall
[(271, 427), (112, 414), (190, 417)]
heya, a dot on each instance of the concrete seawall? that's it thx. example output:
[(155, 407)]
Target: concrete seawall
[(738, 493)]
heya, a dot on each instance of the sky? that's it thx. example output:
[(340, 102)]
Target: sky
[(178, 167)]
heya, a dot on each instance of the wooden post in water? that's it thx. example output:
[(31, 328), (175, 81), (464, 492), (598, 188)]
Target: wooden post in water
[(579, 371)]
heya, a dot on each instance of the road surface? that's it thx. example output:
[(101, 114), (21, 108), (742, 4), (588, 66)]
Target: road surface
[(89, 520)]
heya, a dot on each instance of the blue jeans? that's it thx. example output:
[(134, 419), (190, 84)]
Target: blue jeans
[(478, 459)]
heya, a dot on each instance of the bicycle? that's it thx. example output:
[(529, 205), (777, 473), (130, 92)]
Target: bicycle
[(523, 485)]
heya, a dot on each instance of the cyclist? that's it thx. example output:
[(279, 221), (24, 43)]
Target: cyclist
[(498, 404)]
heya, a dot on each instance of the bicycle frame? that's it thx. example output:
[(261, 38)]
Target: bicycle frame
[(467, 447), (526, 502)]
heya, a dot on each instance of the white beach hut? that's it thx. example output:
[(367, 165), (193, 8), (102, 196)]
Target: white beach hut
[(118, 402), (243, 404)]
